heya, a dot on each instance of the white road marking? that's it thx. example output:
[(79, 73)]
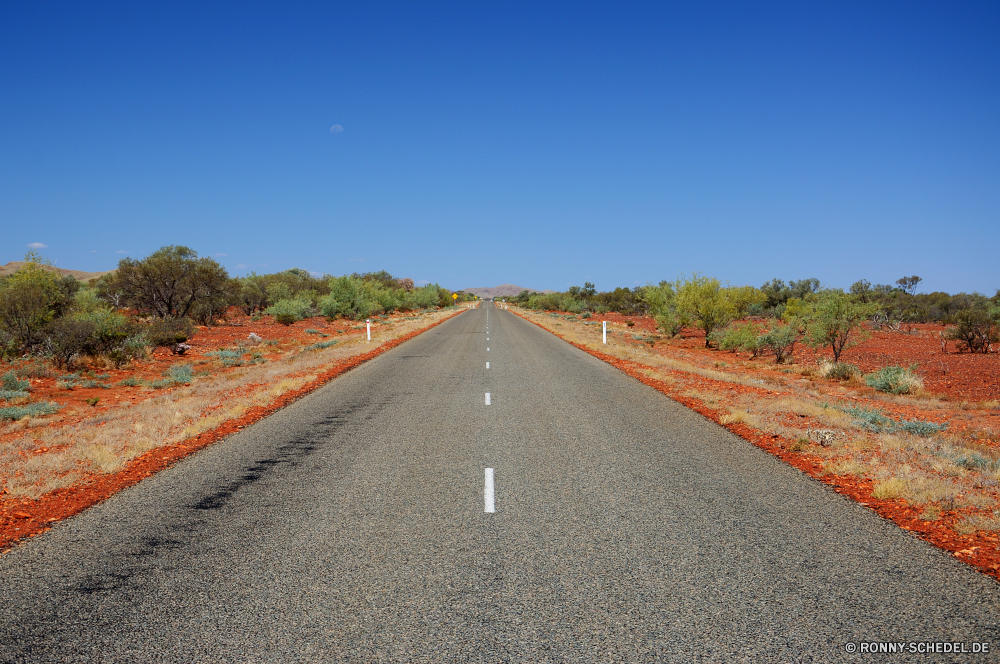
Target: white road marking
[(487, 350), (488, 492), (487, 398), (487, 365)]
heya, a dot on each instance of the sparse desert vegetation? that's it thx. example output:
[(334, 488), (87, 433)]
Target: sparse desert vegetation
[(95, 375), (883, 409)]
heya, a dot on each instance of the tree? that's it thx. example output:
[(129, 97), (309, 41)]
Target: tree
[(836, 321), (862, 290), (661, 301), (168, 283), (704, 300), (976, 327), (252, 294), (909, 284), (29, 300)]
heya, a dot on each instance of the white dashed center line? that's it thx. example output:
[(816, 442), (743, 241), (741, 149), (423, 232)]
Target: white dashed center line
[(487, 398), (488, 492), (487, 365)]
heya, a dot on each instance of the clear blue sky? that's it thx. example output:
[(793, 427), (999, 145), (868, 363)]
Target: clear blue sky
[(482, 143)]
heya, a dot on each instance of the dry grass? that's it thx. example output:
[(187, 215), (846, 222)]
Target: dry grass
[(976, 522), (103, 444)]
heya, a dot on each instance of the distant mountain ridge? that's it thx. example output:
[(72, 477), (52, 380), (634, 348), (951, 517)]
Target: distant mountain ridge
[(503, 290), (79, 275)]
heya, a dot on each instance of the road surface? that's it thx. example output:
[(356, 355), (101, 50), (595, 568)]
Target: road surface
[(354, 526)]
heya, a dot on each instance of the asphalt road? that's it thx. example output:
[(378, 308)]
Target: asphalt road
[(351, 527)]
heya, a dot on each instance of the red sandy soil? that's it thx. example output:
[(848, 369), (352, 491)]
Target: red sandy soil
[(968, 377), (206, 339), (946, 373), (23, 518)]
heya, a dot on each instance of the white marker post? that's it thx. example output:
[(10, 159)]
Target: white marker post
[(605, 331), (369, 329), (488, 493)]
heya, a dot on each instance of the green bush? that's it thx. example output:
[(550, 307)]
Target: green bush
[(168, 283), (739, 337), (839, 371), (170, 331), (29, 300), (28, 410), (287, 312), (229, 358), (780, 340), (321, 345), (69, 337), (705, 301), (895, 380), (874, 421), (10, 381), (834, 320), (976, 328)]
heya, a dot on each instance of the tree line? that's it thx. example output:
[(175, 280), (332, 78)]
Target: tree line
[(773, 318), (156, 300)]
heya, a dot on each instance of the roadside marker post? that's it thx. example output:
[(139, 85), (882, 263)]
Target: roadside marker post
[(369, 321), (605, 331)]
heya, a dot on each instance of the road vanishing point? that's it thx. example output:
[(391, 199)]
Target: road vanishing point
[(428, 507)]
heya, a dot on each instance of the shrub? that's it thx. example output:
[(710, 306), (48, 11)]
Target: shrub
[(10, 381), (836, 321), (976, 328), (29, 300), (703, 299), (252, 294), (287, 312), (876, 422), (739, 337), (229, 358), (166, 284), (321, 345), (179, 374), (839, 371), (9, 395), (214, 305), (68, 337), (134, 347), (29, 410), (895, 380), (780, 340), (170, 331)]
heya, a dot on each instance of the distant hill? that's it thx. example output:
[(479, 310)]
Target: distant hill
[(503, 290), (14, 266)]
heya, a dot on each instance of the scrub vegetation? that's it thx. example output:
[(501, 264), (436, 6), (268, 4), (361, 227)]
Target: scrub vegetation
[(61, 340)]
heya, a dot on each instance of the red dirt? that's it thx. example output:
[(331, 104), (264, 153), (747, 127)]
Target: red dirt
[(23, 518), (954, 375), (973, 375), (235, 331)]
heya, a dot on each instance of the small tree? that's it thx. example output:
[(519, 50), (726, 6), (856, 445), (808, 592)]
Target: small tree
[(252, 294), (661, 302), (909, 284), (167, 283), (836, 321), (704, 300), (976, 328), (29, 300)]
